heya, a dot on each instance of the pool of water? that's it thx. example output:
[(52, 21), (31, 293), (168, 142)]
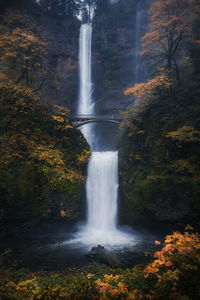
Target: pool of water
[(57, 247)]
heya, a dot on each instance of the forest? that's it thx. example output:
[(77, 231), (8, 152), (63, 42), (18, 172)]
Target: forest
[(100, 210)]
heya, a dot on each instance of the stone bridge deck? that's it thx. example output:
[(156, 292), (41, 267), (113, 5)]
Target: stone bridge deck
[(79, 120)]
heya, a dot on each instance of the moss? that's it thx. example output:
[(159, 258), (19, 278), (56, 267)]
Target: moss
[(159, 162), (40, 150)]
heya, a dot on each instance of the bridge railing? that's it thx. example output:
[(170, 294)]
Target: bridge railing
[(105, 117)]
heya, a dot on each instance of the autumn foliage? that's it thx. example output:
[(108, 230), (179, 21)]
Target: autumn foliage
[(150, 88), (174, 265), (40, 152), (172, 274), (171, 28), (185, 134), (23, 50)]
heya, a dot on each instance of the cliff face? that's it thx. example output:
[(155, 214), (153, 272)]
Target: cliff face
[(62, 34), (114, 35), (116, 64)]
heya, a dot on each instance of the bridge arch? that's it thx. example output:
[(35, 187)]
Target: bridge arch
[(81, 120), (77, 125)]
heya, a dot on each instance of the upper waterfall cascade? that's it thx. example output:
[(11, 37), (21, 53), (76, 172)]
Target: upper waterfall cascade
[(85, 104)]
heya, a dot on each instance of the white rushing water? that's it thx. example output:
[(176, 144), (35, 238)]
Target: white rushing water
[(141, 26), (114, 1), (137, 42), (140, 20), (102, 194), (85, 104), (102, 178), (102, 190)]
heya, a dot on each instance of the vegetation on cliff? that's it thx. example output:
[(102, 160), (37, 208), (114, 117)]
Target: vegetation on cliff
[(159, 161), (43, 158)]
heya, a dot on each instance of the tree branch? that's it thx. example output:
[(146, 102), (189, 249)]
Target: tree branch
[(21, 77)]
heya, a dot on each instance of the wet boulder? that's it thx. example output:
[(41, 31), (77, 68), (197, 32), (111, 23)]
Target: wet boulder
[(100, 255)]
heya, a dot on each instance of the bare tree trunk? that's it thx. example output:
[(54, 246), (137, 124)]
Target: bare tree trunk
[(177, 72), (169, 67)]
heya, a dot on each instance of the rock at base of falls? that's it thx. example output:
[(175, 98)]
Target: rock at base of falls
[(100, 255)]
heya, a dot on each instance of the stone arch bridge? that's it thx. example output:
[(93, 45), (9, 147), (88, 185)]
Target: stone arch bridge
[(80, 120)]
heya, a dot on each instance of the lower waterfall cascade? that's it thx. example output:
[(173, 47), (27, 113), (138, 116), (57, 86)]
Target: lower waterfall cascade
[(101, 187), (102, 194)]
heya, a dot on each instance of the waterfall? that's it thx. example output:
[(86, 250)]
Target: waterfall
[(114, 1), (102, 177), (102, 187), (137, 41), (85, 104), (141, 66)]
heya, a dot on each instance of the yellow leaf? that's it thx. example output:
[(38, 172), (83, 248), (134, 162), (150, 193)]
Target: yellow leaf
[(62, 213)]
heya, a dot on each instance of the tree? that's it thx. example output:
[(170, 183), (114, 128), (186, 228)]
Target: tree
[(151, 88), (170, 30), (23, 51)]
